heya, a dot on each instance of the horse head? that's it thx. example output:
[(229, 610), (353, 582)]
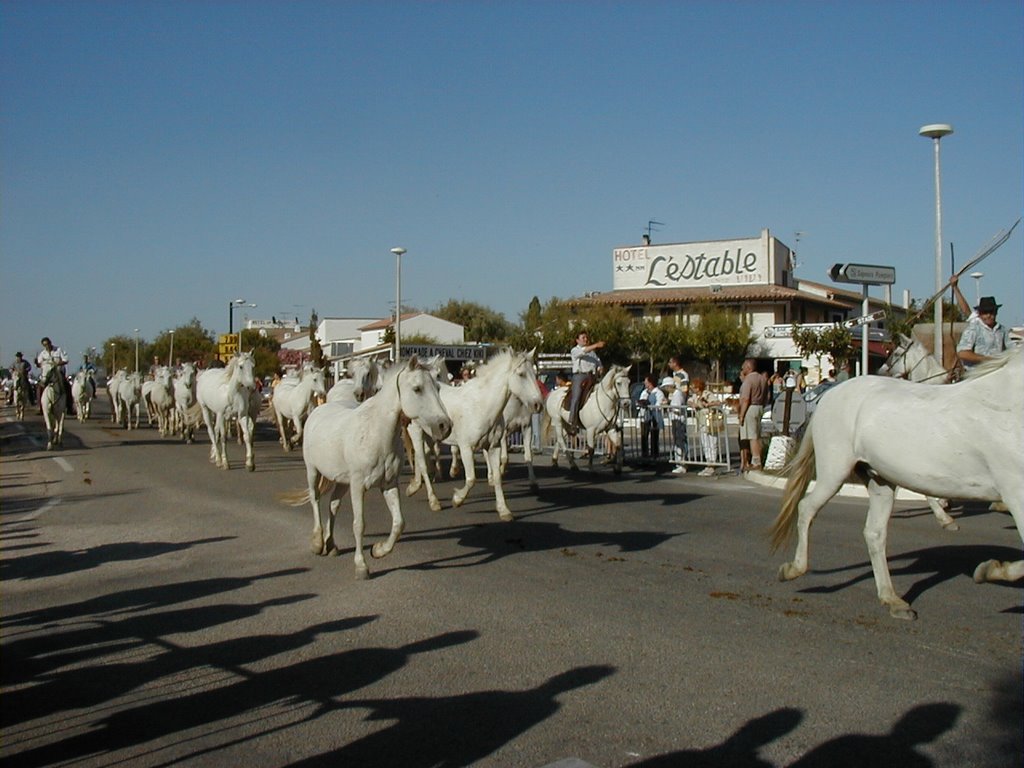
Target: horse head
[(523, 382), (619, 380), (420, 401), (896, 363), (242, 370)]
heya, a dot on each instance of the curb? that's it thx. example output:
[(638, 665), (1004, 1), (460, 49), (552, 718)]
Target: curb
[(854, 490)]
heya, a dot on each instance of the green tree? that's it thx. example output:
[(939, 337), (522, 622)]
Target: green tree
[(264, 351), (479, 323), (720, 335), (532, 317), (836, 341)]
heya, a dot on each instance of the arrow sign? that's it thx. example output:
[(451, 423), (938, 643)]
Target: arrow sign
[(864, 274)]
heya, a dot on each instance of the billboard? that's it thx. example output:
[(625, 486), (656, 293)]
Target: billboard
[(692, 265)]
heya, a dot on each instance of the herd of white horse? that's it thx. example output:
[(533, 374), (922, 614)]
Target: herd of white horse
[(960, 441)]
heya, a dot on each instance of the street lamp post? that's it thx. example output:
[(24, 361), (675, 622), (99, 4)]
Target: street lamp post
[(170, 355), (398, 301), (935, 132), (977, 286), (231, 314), (136, 350), (113, 359)]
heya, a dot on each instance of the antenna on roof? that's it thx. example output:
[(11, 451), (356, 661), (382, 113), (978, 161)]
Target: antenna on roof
[(651, 226), (793, 263)]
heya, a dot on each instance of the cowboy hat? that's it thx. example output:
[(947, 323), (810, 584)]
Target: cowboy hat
[(987, 304)]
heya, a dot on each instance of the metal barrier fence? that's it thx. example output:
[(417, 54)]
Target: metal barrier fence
[(698, 438)]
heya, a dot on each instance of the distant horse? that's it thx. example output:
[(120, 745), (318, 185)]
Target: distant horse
[(961, 440), (20, 395), (160, 398), (359, 448), (600, 413), (476, 409), (185, 400), (294, 398), (128, 399), (225, 393), (54, 405), (112, 385), (910, 360), (82, 392), (362, 380)]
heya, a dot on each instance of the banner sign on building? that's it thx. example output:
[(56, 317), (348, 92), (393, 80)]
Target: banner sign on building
[(448, 351), (692, 265), (227, 346)]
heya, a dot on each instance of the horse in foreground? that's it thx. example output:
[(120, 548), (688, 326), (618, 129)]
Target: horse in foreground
[(361, 447), (184, 401), (600, 413), (476, 409), (962, 440), (225, 393), (54, 405)]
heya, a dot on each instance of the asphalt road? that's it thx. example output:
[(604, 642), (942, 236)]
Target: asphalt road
[(158, 611)]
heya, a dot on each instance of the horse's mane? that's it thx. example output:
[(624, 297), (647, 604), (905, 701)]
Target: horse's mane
[(499, 362), (231, 366), (989, 366)]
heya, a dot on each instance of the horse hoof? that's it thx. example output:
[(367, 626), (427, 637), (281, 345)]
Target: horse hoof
[(506, 517), (904, 612), (435, 505), (951, 526), (983, 572), (378, 550), (457, 500), (362, 573), (787, 572), (251, 467)]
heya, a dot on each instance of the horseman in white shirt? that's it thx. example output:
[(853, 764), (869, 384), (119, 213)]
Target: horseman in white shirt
[(48, 358)]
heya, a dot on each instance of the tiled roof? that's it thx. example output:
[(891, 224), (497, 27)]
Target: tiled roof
[(726, 294)]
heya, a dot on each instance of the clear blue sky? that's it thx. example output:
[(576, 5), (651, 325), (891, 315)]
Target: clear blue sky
[(159, 159)]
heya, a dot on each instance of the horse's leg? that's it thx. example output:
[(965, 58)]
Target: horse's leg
[(880, 500), (392, 499), (591, 448), (493, 460), (221, 430), (826, 486), (330, 547), (245, 424), (210, 420), (453, 469), (995, 570), (358, 491), (941, 515), (412, 439), (615, 440), (282, 430), (470, 466), (528, 455), (317, 542)]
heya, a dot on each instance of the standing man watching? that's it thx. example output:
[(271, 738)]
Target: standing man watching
[(752, 396), (585, 364), (983, 338)]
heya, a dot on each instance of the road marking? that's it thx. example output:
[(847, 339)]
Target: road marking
[(50, 504), (63, 464)]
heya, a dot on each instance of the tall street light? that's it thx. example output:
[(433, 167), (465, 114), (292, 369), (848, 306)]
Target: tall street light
[(977, 286), (113, 359), (170, 355), (935, 132), (136, 350), (398, 301)]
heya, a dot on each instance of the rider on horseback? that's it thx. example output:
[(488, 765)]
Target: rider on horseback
[(51, 362), (20, 371), (585, 365)]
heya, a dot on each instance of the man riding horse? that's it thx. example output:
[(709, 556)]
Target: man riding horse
[(51, 362), (585, 365)]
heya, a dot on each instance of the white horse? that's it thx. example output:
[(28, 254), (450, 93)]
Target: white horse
[(476, 409), (161, 399), (294, 398), (128, 399), (112, 385), (224, 393), (600, 413), (185, 401), (53, 402), (20, 396), (82, 393), (361, 448), (910, 360), (961, 440), (518, 418), (362, 380)]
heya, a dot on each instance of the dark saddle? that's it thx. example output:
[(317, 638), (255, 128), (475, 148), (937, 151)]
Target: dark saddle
[(586, 387)]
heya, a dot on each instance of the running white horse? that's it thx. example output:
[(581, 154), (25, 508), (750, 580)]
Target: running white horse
[(910, 360), (362, 380), (20, 395), (961, 440), (128, 399), (600, 413), (224, 393), (52, 400), (185, 401), (82, 393), (476, 408), (112, 385), (294, 398), (518, 418), (160, 398), (361, 447)]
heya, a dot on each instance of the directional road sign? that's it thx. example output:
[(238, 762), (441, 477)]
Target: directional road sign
[(864, 274)]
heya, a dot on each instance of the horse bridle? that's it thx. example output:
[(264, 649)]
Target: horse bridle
[(904, 350)]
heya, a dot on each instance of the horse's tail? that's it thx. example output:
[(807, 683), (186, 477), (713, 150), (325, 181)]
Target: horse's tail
[(800, 472), (296, 498)]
